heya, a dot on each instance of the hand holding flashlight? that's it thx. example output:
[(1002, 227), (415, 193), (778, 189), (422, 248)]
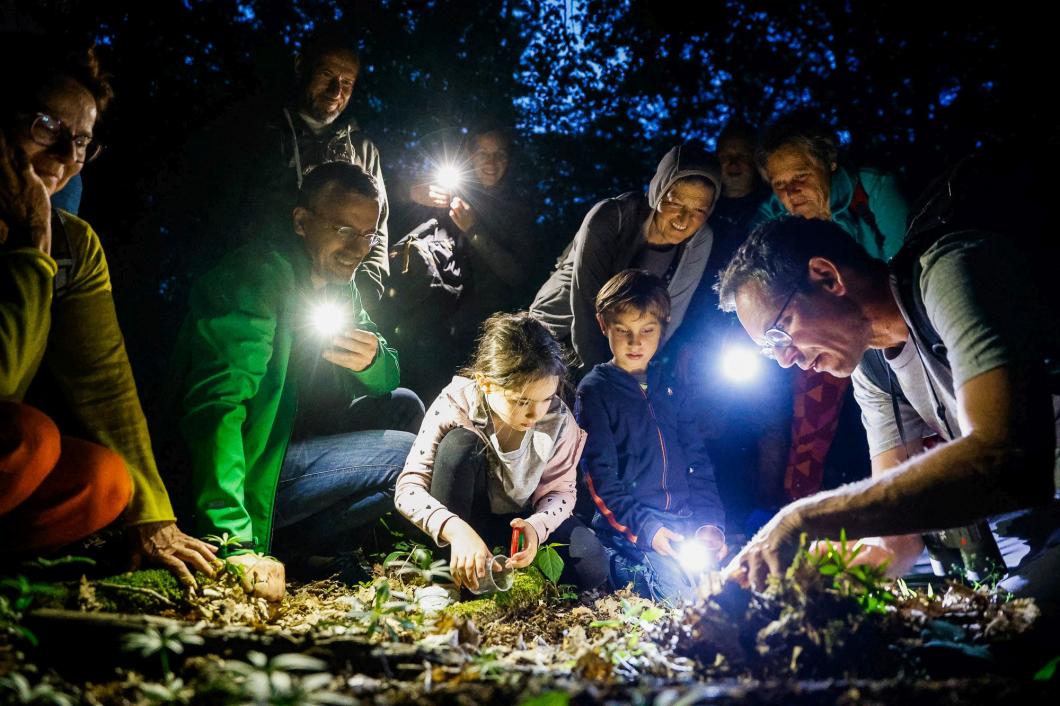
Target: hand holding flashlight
[(353, 349), (461, 213), (664, 542), (432, 195)]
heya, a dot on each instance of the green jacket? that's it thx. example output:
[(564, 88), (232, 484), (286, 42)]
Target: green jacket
[(885, 201), (238, 395)]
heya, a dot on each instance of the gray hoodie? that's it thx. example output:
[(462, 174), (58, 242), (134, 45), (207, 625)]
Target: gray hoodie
[(607, 242)]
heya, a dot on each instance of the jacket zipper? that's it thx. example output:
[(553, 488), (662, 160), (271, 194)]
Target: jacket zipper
[(662, 447)]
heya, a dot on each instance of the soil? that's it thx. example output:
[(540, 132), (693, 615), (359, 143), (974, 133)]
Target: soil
[(801, 642)]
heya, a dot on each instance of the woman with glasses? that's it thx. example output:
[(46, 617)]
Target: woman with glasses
[(80, 456)]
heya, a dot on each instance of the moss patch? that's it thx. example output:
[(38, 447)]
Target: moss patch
[(148, 592)]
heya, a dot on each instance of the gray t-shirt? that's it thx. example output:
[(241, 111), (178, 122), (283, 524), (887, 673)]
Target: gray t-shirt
[(983, 306)]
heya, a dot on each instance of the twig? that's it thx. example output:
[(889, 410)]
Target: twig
[(137, 589)]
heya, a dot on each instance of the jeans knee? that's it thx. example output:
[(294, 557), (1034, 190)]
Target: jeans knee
[(408, 409)]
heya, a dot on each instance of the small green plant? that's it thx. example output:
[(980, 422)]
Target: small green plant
[(172, 691), (261, 680), (15, 688), (1047, 672), (17, 594), (863, 582), (41, 563), (226, 544), (636, 615), (387, 614), (412, 560), (549, 562), (170, 640)]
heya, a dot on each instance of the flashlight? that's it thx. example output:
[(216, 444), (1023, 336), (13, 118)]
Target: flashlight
[(448, 177), (329, 319), (740, 363), (694, 557)]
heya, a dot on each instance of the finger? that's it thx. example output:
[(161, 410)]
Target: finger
[(178, 568), (480, 564), (351, 361), (772, 562), (355, 344), (361, 335), (198, 560)]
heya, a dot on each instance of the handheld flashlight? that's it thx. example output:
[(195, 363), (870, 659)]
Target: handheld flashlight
[(448, 177), (695, 558), (740, 363), (329, 319)]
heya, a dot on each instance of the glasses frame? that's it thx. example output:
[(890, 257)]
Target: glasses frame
[(776, 338), (62, 133), (349, 232)]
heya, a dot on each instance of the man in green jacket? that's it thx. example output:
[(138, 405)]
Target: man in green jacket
[(293, 430)]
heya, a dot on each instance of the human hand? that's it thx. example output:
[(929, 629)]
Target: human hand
[(461, 213), (770, 551), (664, 540), (163, 543), (531, 543), (262, 576), (25, 209), (711, 537), (430, 195), (469, 555), (354, 350)]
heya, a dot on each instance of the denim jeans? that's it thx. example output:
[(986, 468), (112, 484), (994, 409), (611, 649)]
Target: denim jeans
[(332, 484), (653, 575)]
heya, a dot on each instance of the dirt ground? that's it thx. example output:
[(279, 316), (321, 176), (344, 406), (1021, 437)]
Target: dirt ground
[(814, 637)]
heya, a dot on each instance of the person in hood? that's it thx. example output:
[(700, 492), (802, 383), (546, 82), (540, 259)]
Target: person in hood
[(664, 232)]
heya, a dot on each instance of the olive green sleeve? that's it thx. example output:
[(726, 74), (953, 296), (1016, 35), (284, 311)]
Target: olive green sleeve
[(26, 279), (86, 355)]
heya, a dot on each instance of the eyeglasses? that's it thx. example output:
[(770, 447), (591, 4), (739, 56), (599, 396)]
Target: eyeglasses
[(777, 339), (48, 131), (349, 232)]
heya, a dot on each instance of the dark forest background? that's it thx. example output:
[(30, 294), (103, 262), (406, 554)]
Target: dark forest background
[(597, 90)]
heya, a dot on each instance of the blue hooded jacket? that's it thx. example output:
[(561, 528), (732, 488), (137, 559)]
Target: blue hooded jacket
[(645, 462)]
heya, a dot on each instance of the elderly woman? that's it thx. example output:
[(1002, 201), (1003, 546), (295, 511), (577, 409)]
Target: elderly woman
[(798, 157), (81, 456)]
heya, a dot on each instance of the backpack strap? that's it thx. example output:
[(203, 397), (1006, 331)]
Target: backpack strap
[(62, 253), (859, 206)]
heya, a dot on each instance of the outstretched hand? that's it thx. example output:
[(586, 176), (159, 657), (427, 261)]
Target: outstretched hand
[(769, 552), (262, 576), (163, 543), (25, 211)]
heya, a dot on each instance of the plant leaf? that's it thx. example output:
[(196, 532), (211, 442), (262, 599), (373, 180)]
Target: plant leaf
[(549, 562)]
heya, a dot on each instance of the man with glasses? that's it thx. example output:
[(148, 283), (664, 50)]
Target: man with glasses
[(296, 432), (812, 297)]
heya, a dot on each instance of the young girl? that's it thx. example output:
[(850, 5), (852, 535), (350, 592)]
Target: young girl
[(497, 450)]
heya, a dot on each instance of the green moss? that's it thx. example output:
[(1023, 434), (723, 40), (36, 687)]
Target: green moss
[(479, 610), (527, 589), (159, 581)]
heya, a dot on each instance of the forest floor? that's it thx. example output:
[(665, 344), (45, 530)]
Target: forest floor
[(827, 632)]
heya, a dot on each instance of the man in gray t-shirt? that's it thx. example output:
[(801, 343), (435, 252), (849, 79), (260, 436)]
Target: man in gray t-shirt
[(812, 297)]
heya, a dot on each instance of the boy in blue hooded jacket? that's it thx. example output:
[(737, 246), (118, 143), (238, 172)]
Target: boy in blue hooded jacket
[(644, 463)]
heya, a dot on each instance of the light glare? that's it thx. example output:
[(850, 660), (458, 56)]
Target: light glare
[(328, 318), (740, 363), (694, 557), (448, 177)]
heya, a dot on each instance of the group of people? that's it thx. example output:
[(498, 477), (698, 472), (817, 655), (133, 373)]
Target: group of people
[(297, 434)]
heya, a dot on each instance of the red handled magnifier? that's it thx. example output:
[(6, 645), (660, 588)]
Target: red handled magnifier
[(517, 540)]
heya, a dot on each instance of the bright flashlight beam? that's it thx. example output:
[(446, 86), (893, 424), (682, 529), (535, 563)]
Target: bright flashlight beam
[(449, 177), (740, 363), (328, 319), (694, 557)]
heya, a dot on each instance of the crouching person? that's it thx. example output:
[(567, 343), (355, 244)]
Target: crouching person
[(290, 408), (644, 462), (499, 451)]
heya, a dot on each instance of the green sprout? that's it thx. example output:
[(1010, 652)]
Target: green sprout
[(170, 640), (261, 680), (863, 582), (416, 561), (386, 614), (15, 688)]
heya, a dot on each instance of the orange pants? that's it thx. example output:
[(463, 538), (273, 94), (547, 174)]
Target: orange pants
[(54, 489)]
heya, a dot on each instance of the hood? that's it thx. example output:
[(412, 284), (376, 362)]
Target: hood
[(682, 161)]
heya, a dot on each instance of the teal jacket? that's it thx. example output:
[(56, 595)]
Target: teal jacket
[(885, 201), (238, 395)]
